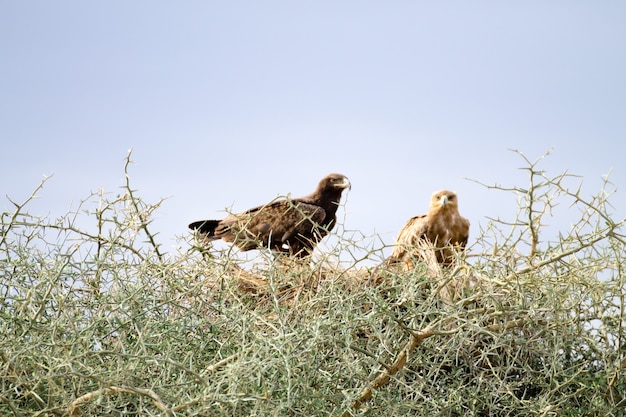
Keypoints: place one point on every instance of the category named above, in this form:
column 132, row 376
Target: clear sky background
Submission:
column 230, row 104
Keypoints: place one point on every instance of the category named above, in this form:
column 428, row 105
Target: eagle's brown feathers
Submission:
column 292, row 226
column 442, row 227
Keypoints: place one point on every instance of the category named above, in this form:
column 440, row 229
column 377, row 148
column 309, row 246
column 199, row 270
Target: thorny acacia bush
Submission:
column 99, row 321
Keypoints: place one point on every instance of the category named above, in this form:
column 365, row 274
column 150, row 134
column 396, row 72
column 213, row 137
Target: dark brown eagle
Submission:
column 443, row 229
column 291, row 226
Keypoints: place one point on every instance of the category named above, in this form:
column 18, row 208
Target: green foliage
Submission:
column 95, row 319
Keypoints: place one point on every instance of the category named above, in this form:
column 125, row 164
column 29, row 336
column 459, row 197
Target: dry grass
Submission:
column 97, row 320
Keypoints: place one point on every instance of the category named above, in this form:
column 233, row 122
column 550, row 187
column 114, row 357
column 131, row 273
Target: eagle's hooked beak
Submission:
column 345, row 184
column 444, row 201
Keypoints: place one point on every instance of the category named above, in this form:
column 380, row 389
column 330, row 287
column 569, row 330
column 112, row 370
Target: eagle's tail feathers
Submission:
column 206, row 227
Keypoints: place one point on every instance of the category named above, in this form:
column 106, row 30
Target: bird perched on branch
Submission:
column 291, row 226
column 442, row 229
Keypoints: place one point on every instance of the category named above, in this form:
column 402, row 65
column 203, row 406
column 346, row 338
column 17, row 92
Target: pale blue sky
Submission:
column 229, row 104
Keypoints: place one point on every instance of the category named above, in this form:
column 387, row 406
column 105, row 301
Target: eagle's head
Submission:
column 444, row 200
column 334, row 182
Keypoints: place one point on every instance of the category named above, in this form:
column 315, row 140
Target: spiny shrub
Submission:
column 96, row 319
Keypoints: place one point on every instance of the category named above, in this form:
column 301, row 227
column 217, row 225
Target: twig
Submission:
column 143, row 222
column 18, row 209
column 561, row 255
column 223, row 362
column 417, row 337
column 74, row 408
